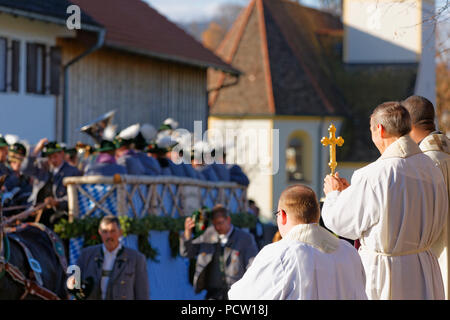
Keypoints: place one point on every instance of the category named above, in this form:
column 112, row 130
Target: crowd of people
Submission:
column 396, row 207
column 35, row 176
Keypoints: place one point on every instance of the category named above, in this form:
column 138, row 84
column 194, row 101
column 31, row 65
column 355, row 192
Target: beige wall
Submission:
column 259, row 173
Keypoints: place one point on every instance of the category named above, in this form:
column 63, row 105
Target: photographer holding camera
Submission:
column 223, row 251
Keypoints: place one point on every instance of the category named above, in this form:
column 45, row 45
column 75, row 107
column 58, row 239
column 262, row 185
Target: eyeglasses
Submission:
column 275, row 213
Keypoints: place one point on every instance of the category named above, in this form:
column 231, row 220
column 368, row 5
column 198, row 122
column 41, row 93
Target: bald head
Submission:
column 421, row 111
column 300, row 202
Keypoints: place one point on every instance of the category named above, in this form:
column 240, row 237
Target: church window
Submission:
column 294, row 160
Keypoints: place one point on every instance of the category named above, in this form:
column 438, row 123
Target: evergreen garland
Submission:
column 88, row 229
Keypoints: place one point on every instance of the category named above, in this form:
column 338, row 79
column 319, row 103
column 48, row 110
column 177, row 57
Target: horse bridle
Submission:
column 31, row 287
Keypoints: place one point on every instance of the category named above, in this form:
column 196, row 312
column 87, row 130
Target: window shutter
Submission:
column 3, row 64
column 15, row 74
column 31, row 68
column 55, row 69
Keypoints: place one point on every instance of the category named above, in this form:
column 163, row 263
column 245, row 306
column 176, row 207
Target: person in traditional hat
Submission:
column 71, row 156
column 200, row 156
column 168, row 125
column 228, row 171
column 11, row 181
column 105, row 164
column 159, row 149
column 125, row 155
column 183, row 137
column 219, row 166
column 48, row 172
column 146, row 133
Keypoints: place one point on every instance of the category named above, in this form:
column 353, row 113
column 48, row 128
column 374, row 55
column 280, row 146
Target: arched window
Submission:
column 294, row 160
column 298, row 152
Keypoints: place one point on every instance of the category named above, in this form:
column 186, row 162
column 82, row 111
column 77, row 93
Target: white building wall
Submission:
column 30, row 116
column 259, row 172
column 426, row 77
column 387, row 31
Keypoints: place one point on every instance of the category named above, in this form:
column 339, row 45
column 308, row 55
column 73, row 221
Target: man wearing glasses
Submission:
column 308, row 263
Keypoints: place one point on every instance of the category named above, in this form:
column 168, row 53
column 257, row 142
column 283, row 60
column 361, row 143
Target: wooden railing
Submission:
column 138, row 196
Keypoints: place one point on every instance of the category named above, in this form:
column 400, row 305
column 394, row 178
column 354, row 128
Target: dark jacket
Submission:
column 39, row 169
column 132, row 163
column 150, row 164
column 104, row 165
column 239, row 252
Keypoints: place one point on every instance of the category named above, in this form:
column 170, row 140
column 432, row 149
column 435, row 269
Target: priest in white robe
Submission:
column 397, row 207
column 307, row 263
column 435, row 145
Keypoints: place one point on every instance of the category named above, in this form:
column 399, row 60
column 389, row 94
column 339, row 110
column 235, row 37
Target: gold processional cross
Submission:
column 332, row 141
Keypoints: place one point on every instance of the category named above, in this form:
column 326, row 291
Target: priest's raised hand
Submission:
column 334, row 183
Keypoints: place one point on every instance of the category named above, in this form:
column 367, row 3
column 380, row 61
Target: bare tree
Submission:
column 220, row 25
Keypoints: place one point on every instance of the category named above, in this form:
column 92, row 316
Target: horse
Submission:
column 53, row 273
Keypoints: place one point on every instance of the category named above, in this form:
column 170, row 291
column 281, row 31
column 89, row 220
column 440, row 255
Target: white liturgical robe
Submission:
column 437, row 147
column 397, row 207
column 308, row 263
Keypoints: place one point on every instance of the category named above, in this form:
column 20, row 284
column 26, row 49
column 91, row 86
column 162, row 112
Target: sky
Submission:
column 195, row 10
column 198, row 10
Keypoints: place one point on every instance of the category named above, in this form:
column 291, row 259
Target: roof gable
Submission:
column 294, row 80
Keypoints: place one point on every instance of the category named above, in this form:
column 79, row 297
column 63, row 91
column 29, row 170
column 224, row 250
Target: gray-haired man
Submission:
column 110, row 271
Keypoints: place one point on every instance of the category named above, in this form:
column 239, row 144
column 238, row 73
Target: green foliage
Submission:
column 88, row 229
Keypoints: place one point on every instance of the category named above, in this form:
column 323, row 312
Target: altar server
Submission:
column 309, row 262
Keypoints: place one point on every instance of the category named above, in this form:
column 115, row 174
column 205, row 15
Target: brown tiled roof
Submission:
column 306, row 73
column 273, row 43
column 134, row 26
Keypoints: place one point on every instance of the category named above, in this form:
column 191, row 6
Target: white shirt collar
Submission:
column 56, row 170
column 112, row 253
column 223, row 238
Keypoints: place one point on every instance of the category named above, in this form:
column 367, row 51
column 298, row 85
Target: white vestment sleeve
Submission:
column 354, row 210
column 264, row 279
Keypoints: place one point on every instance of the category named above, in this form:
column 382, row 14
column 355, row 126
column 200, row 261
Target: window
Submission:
column 299, row 157
column 9, row 65
column 294, row 161
column 43, row 69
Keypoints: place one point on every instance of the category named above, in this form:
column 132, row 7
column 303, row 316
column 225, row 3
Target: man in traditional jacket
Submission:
column 16, row 154
column 223, row 251
column 397, row 207
column 146, row 134
column 110, row 271
column 125, row 155
column 308, row 263
column 437, row 146
column 11, row 180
